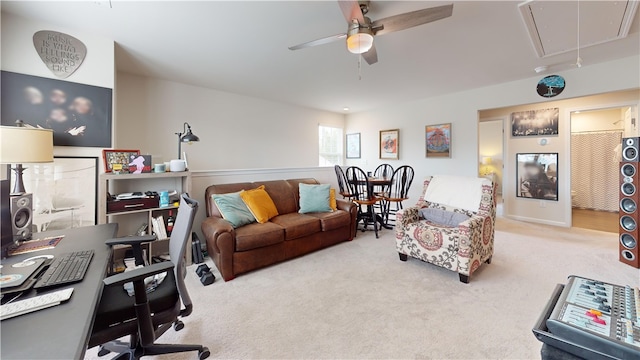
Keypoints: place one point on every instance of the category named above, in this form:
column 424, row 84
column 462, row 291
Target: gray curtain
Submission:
column 595, row 170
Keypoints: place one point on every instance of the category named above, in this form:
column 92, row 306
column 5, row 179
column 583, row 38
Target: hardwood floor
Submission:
column 595, row 220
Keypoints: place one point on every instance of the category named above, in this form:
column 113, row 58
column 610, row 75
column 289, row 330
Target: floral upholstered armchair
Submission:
column 451, row 226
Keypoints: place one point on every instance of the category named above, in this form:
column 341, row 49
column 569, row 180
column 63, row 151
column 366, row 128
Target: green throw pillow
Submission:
column 233, row 209
column 314, row 198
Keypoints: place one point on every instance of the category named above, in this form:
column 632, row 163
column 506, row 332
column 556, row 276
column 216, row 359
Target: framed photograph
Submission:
column 438, row 141
column 64, row 192
column 353, row 146
column 535, row 122
column 120, row 160
column 78, row 114
column 537, row 176
column 389, row 144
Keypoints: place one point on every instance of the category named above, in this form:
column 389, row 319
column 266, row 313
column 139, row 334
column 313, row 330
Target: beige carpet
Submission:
column 357, row 300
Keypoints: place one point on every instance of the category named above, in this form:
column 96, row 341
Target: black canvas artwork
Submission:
column 78, row 114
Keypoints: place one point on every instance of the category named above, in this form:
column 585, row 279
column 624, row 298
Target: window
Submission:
column 330, row 145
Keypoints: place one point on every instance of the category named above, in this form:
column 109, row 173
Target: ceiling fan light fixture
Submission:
column 359, row 40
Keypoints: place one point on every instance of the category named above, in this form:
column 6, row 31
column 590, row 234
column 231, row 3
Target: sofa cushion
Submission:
column 443, row 217
column 259, row 203
column 333, row 220
column 314, row 198
column 297, row 225
column 256, row 235
column 233, row 209
column 282, row 194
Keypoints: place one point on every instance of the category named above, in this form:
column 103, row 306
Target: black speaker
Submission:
column 21, row 216
column 630, row 149
column 629, row 214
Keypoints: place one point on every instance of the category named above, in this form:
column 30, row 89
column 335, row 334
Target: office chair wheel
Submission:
column 178, row 325
column 103, row 351
column 204, row 353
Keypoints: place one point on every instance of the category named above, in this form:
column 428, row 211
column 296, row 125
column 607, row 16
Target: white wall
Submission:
column 235, row 131
column 549, row 212
column 461, row 109
column 20, row 56
column 598, row 120
column 490, row 143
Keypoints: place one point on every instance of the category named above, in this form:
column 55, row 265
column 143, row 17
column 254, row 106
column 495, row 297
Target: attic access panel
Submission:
column 553, row 25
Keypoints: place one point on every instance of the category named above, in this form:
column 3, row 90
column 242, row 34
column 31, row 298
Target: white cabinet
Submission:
column 130, row 221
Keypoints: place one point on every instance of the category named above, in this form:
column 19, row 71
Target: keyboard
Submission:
column 65, row 269
column 21, row 307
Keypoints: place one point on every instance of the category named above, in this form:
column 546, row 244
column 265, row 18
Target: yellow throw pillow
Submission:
column 260, row 204
column 332, row 200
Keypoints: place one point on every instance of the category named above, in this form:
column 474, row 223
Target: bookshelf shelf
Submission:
column 129, row 221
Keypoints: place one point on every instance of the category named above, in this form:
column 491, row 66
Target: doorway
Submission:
column 596, row 138
column 491, row 154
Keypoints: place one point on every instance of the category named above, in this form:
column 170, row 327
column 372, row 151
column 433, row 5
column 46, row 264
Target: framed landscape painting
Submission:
column 438, row 141
column 353, row 146
column 389, row 144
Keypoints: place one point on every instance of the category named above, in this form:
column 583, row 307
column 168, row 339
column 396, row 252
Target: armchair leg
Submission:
column 464, row 278
column 403, row 257
column 489, row 260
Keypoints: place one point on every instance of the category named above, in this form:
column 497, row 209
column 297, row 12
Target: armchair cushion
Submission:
column 443, row 217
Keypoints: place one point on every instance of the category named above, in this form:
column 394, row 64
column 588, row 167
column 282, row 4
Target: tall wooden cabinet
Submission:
column 130, row 221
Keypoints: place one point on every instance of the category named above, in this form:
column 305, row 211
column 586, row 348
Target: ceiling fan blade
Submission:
column 351, row 10
column 411, row 19
column 371, row 56
column 317, row 42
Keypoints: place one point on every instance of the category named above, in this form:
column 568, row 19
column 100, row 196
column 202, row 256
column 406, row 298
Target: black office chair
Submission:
column 343, row 186
column 398, row 191
column 363, row 195
column 144, row 317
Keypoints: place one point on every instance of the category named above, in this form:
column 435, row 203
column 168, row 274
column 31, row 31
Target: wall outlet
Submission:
column 543, row 204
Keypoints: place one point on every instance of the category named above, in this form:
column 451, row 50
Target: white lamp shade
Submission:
column 359, row 43
column 19, row 145
column 486, row 160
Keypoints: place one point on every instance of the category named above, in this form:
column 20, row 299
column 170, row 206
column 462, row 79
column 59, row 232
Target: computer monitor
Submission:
column 6, row 230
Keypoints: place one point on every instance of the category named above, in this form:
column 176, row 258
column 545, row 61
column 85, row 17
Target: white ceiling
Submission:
column 242, row 47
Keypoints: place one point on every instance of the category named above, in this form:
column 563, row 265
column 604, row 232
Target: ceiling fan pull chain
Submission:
column 360, row 67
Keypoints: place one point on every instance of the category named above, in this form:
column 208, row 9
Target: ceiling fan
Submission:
column 361, row 30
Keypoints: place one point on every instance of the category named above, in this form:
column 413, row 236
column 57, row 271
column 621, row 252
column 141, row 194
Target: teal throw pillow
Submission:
column 314, row 198
column 233, row 209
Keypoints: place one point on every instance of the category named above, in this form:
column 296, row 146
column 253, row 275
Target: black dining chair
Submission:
column 363, row 195
column 398, row 190
column 383, row 171
column 343, row 186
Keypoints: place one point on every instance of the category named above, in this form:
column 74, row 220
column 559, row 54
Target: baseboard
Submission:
column 538, row 221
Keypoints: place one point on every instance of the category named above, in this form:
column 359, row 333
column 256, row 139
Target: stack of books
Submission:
column 159, row 228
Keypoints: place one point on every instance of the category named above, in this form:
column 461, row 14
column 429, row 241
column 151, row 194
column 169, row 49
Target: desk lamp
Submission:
column 20, row 144
column 188, row 137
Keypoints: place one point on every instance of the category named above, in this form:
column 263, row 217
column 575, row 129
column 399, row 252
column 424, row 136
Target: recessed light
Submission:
column 345, row 108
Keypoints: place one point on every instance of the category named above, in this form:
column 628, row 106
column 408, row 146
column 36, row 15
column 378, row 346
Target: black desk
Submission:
column 62, row 331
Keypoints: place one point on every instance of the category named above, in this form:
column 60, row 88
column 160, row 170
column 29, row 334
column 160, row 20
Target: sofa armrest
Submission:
column 344, row 205
column 220, row 238
column 352, row 209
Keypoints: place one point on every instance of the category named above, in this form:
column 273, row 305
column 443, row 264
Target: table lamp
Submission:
column 19, row 145
column 486, row 161
column 188, row 137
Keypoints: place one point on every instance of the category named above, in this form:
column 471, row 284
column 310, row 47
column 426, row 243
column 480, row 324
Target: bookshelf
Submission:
column 130, row 221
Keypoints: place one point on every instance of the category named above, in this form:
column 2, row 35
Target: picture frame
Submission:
column 65, row 192
column 389, row 144
column 437, row 140
column 537, row 176
column 542, row 122
column 118, row 160
column 79, row 114
column 353, row 146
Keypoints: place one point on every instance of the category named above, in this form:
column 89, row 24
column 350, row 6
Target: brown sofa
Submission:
column 288, row 235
